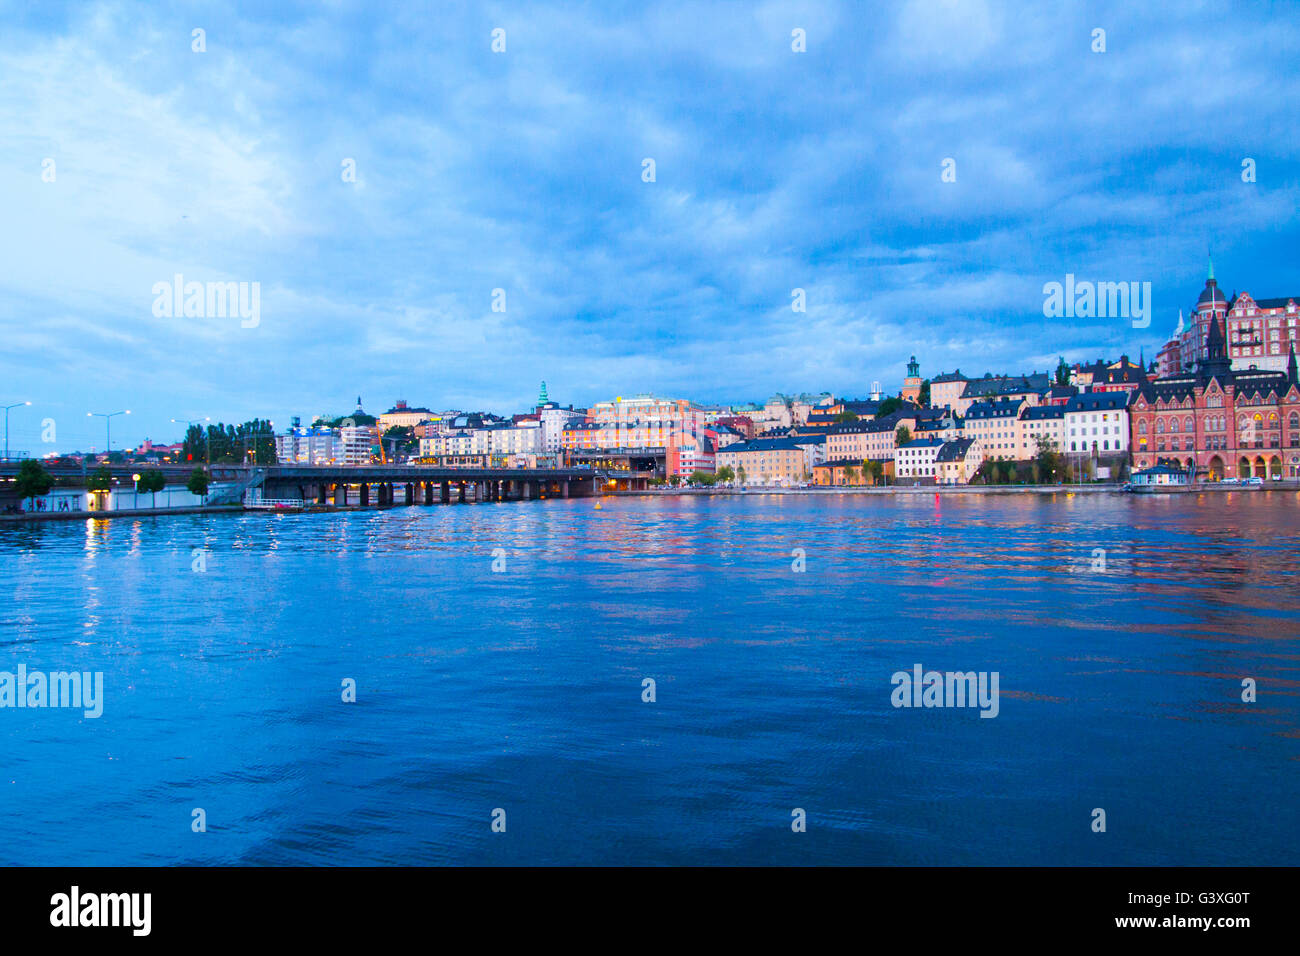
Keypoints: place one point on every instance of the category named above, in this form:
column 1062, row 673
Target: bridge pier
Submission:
column 365, row 494
column 564, row 488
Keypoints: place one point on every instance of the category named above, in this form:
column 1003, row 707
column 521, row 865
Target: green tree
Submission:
column 851, row 474
column 846, row 418
column 726, row 474
column 1048, row 461
column 902, row 435
column 1062, row 372
column 198, row 482
column 33, row 480
column 889, row 406
column 924, row 398
column 152, row 481
column 740, row 475
column 874, row 469
column 101, row 479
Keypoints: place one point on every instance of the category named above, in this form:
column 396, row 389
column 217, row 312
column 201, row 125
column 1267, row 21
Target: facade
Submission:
column 912, row 384
column 849, row 472
column 958, row 461
column 1221, row 422
column 1258, row 333
column 773, row 461
column 402, row 416
column 1159, row 475
column 996, row 426
column 1042, row 421
column 915, row 459
column 643, row 422
column 320, row 445
column 946, row 389
column 1026, row 388
column 1097, row 422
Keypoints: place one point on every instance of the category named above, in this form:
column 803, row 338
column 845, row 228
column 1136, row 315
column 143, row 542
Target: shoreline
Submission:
column 1210, row 487
column 913, row 490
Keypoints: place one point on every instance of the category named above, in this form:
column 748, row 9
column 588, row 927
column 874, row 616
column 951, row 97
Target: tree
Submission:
column 198, row 483
column 889, row 406
column 874, row 469
column 726, row 474
column 902, row 436
column 703, row 478
column 152, row 481
column 101, row 479
column 923, row 399
column 1048, row 460
column 846, row 418
column 33, row 480
column 851, row 474
column 1062, row 372
column 740, row 474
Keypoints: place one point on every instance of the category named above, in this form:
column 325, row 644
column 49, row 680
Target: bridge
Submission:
column 431, row 484
column 371, row 484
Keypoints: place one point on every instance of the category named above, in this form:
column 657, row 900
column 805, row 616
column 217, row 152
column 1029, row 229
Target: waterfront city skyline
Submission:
column 523, row 170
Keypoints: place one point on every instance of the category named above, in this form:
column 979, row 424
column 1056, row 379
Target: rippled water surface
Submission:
column 522, row 689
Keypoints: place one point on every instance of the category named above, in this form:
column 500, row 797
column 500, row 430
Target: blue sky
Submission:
column 522, row 170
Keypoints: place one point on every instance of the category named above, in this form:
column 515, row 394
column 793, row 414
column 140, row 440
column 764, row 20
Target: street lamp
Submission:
column 207, row 437
column 108, row 425
column 7, row 407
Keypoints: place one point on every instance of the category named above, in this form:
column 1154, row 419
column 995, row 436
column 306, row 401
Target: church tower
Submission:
column 912, row 384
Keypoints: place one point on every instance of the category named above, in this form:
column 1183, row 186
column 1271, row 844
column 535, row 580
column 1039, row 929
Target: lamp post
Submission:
column 7, row 407
column 207, row 437
column 108, row 426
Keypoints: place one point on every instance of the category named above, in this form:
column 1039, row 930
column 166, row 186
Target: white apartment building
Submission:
column 916, row 458
column 1097, row 421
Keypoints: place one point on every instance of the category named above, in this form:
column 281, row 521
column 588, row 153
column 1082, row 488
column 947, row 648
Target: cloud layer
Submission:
column 522, row 171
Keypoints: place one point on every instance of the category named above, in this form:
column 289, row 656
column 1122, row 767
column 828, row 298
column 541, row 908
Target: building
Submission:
column 1219, row 421
column 322, row 445
column 1041, row 421
column 1097, row 422
column 1159, row 475
column 996, row 426
column 912, row 384
column 915, row 459
column 946, row 389
column 848, row 471
column 1026, row 388
column 958, row 461
column 1258, row 333
column 402, row 416
column 773, row 461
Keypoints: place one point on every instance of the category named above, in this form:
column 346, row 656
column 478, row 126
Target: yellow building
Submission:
column 848, row 472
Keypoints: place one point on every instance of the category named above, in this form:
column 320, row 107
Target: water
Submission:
column 521, row 690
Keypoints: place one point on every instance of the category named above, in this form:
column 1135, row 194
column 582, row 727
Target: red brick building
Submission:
column 1225, row 423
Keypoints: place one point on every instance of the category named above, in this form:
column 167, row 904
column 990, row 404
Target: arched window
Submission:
column 1294, row 420
column 1173, row 425
column 1142, row 426
column 1189, row 424
column 1160, row 426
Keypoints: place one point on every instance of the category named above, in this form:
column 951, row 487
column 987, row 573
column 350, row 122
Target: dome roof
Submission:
column 1211, row 294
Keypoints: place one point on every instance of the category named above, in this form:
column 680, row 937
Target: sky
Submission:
column 920, row 170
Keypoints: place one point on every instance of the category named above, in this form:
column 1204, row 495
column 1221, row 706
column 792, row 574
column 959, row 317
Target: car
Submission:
column 1253, row 481
column 1277, row 477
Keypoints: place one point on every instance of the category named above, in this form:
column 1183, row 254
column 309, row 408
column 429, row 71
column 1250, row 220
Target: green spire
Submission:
column 1211, row 258
column 541, row 398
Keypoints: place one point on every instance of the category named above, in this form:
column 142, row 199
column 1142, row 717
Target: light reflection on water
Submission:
column 522, row 689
